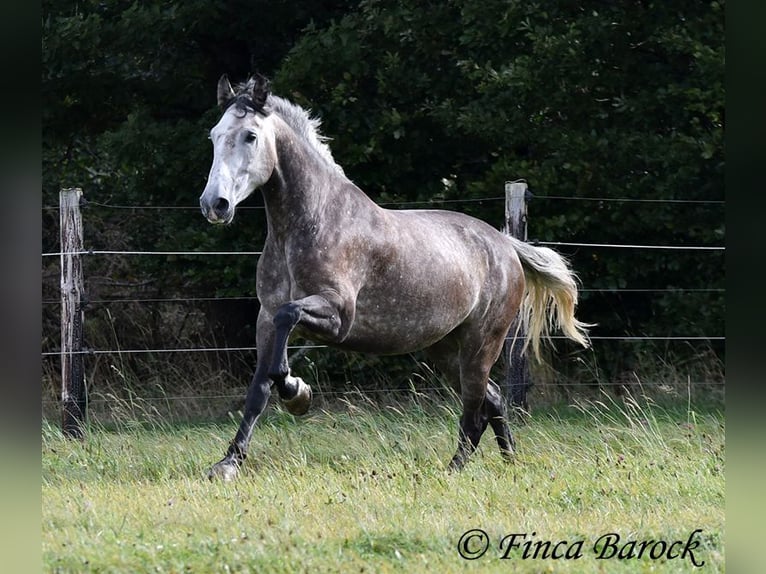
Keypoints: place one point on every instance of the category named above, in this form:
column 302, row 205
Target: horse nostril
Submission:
column 220, row 207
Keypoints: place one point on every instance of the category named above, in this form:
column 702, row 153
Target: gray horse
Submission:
column 339, row 269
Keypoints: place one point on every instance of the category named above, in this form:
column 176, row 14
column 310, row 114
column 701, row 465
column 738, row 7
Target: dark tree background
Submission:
column 425, row 101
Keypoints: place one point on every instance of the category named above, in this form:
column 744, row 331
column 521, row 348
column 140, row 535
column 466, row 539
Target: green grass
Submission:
column 365, row 490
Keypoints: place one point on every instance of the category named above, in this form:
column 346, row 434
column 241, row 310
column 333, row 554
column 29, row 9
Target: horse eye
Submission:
column 251, row 137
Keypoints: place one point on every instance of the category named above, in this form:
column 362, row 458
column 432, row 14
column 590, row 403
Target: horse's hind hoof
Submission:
column 456, row 464
column 300, row 403
column 225, row 470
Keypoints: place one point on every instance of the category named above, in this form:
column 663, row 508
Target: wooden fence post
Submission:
column 517, row 380
column 72, row 374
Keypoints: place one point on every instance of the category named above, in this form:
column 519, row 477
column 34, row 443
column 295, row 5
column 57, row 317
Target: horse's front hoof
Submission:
column 225, row 470
column 300, row 403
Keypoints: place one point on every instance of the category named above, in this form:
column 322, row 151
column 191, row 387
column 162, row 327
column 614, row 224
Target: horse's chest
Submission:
column 273, row 281
column 280, row 280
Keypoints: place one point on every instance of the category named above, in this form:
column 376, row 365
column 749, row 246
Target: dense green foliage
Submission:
column 435, row 102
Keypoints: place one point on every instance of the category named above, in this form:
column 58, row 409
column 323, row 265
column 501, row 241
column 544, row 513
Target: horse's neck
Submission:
column 302, row 186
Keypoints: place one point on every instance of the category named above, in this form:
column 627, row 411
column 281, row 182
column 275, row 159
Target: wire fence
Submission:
column 251, row 253
column 434, row 202
column 193, row 300
column 637, row 338
column 254, row 298
column 321, row 392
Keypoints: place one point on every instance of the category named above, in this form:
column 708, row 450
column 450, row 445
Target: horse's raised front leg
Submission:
column 324, row 315
column 257, row 399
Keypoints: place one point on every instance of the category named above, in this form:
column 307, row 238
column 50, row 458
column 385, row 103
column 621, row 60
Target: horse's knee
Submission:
column 287, row 316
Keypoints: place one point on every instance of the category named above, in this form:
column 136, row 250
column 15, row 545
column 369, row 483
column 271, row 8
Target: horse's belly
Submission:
column 396, row 322
column 368, row 337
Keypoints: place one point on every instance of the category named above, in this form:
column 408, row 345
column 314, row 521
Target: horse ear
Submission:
column 260, row 91
column 225, row 91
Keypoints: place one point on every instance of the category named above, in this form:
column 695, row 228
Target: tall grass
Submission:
column 362, row 488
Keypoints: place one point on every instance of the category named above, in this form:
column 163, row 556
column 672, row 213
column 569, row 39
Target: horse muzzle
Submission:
column 219, row 211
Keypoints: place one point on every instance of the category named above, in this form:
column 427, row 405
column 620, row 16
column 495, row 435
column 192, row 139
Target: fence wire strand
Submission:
column 627, row 338
column 352, row 392
column 532, row 196
column 636, row 338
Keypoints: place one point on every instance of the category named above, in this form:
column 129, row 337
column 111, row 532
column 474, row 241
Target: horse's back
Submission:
column 465, row 244
column 429, row 272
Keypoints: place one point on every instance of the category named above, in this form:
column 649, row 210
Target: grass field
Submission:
column 365, row 490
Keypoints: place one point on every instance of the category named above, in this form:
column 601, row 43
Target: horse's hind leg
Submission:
column 446, row 356
column 494, row 406
column 482, row 402
column 474, row 422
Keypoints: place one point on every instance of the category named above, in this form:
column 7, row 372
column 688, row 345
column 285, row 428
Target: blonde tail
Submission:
column 550, row 298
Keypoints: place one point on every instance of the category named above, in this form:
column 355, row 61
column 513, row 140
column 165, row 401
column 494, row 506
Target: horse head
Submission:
column 244, row 148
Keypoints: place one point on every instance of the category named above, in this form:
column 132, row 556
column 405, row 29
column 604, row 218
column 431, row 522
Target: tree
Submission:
column 450, row 99
column 424, row 102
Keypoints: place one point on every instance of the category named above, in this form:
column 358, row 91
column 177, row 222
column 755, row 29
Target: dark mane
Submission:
column 255, row 96
column 250, row 96
column 244, row 103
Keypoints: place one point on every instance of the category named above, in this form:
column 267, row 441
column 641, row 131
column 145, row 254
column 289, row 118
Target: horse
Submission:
column 340, row 270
